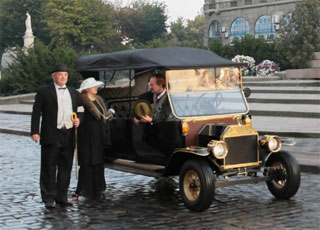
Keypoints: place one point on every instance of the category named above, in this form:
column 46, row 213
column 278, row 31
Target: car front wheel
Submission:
column 197, row 185
column 285, row 175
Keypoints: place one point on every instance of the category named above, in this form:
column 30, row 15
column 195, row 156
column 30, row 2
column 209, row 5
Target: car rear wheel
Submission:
column 197, row 185
column 285, row 174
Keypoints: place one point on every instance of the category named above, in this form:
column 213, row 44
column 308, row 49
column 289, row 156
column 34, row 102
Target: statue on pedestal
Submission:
column 28, row 38
column 28, row 23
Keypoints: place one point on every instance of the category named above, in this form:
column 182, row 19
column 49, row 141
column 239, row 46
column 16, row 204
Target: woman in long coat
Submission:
column 91, row 138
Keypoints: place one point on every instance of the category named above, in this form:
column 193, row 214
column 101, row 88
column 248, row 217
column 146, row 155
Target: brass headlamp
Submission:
column 271, row 143
column 218, row 148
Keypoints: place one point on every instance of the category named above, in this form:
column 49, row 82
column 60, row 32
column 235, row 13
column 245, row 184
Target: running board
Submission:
column 136, row 168
column 242, row 181
column 157, row 171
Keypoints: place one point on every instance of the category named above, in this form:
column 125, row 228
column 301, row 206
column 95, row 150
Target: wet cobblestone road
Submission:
column 138, row 202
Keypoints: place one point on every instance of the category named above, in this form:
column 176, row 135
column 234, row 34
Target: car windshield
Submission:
column 206, row 92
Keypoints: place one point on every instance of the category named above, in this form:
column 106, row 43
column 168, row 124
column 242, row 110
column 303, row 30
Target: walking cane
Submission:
column 74, row 116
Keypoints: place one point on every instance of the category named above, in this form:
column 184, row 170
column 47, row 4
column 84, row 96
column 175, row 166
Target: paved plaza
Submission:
column 305, row 150
column 139, row 202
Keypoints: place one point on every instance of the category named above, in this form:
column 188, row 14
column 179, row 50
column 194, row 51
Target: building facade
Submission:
column 233, row 19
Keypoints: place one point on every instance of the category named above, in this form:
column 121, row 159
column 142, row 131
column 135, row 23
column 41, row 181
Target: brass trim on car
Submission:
column 240, row 80
column 265, row 142
column 204, row 118
column 200, row 151
column 209, row 117
column 241, row 165
column 238, row 130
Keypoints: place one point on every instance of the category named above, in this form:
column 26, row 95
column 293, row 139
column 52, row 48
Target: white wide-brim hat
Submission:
column 89, row 83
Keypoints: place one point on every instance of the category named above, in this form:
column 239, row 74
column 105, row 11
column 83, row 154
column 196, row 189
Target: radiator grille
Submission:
column 242, row 150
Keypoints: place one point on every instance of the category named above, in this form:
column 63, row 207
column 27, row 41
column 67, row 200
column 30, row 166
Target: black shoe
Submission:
column 49, row 205
column 64, row 204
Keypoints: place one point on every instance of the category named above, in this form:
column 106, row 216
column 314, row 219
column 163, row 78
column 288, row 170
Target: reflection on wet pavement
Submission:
column 138, row 202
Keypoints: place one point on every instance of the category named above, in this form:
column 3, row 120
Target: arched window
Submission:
column 240, row 27
column 214, row 30
column 264, row 25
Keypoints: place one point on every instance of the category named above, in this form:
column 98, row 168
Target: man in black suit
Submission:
column 55, row 103
column 157, row 95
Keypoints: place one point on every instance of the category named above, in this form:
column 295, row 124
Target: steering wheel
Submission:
column 202, row 102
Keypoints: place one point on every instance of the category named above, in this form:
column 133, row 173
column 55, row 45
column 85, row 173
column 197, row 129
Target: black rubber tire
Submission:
column 291, row 181
column 206, row 186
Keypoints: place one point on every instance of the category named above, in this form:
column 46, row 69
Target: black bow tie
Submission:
column 62, row 88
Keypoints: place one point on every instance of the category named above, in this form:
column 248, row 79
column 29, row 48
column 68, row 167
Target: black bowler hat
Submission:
column 60, row 68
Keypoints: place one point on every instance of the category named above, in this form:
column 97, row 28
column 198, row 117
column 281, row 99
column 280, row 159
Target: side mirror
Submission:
column 247, row 92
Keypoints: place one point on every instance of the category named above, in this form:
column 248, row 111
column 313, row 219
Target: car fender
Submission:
column 180, row 156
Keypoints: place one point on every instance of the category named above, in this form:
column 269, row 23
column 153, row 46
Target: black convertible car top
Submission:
column 167, row 57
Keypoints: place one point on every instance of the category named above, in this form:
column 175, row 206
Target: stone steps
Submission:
column 306, row 73
column 276, row 79
column 25, row 109
column 16, row 99
column 315, row 64
column 287, row 96
column 279, row 90
column 284, row 107
column 289, row 108
column 312, row 72
column 257, row 78
column 28, row 102
column 284, row 114
column 283, row 101
column 283, row 83
column 287, row 126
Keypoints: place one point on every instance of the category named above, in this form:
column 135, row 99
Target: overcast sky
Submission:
column 188, row 9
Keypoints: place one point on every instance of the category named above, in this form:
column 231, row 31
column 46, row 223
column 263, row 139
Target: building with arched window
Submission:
column 233, row 19
column 239, row 28
column 214, row 30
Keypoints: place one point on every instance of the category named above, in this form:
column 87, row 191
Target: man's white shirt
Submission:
column 64, row 107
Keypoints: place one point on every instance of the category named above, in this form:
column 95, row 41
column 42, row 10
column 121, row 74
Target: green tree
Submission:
column 141, row 21
column 81, row 24
column 195, row 30
column 301, row 36
column 217, row 47
column 30, row 70
column 189, row 33
column 156, row 43
column 178, row 30
column 12, row 22
column 257, row 48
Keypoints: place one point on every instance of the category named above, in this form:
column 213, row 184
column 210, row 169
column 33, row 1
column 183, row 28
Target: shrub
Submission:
column 257, row 48
column 30, row 70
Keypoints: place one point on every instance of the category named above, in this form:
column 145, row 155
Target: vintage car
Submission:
column 209, row 144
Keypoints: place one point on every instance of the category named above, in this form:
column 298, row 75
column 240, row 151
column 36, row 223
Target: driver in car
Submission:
column 158, row 97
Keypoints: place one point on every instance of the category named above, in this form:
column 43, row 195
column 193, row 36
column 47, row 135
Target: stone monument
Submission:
column 28, row 38
column 10, row 53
